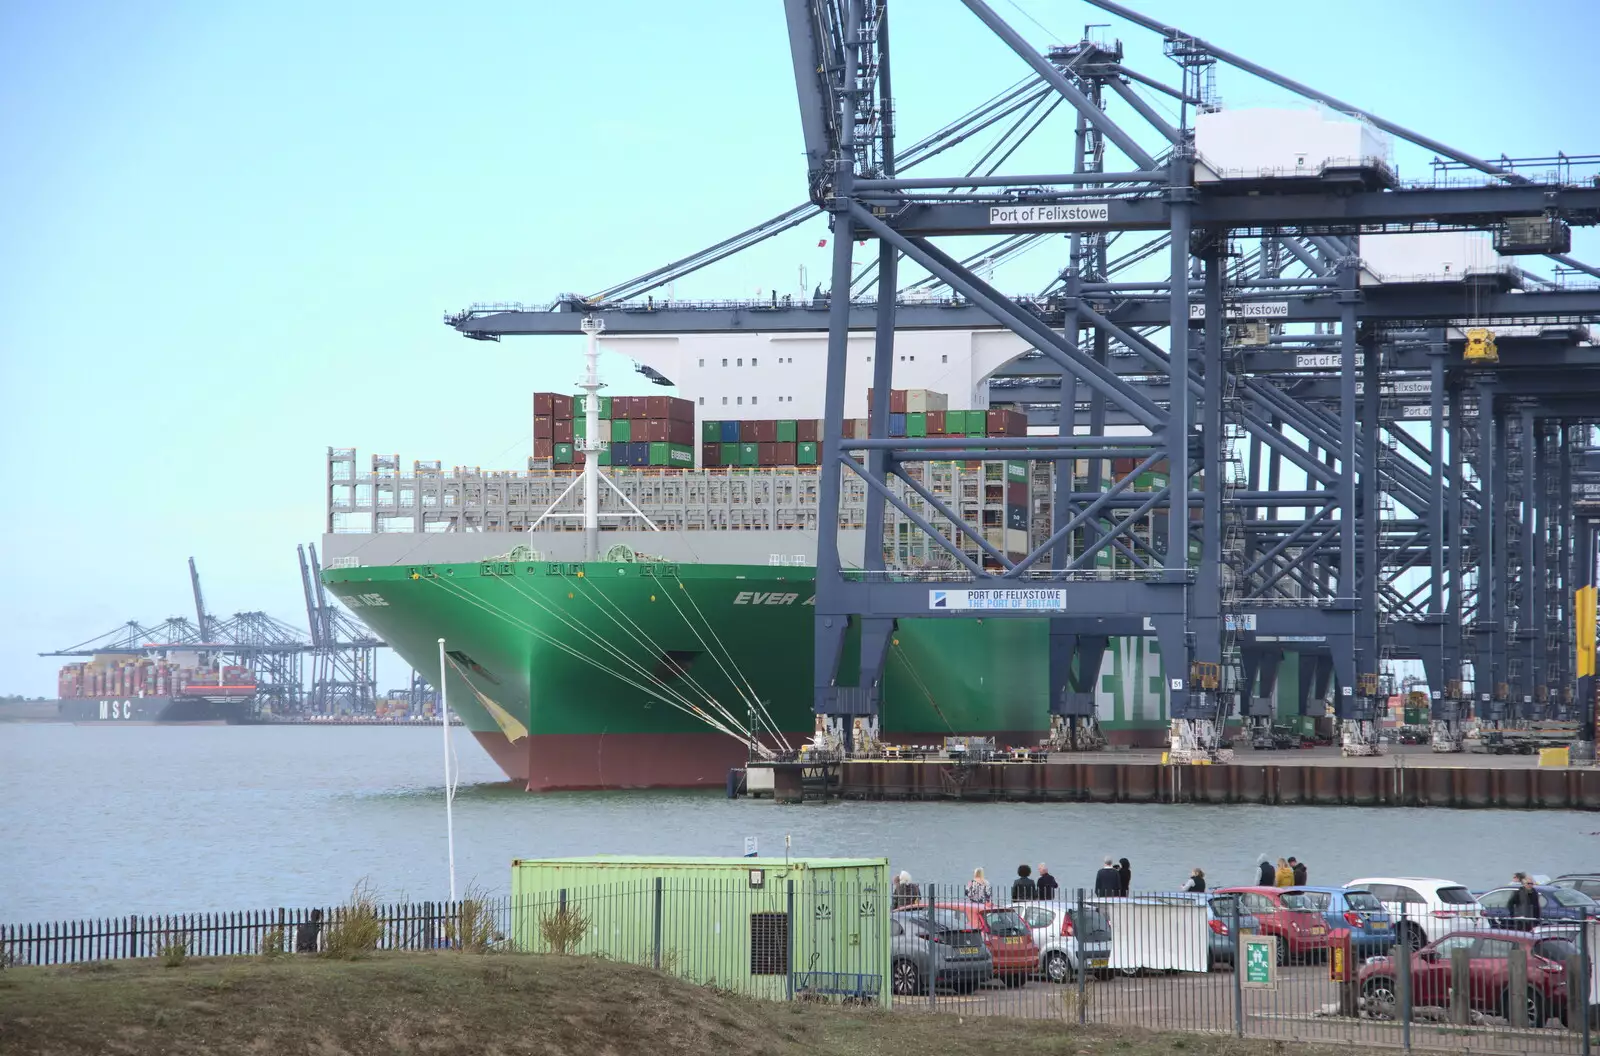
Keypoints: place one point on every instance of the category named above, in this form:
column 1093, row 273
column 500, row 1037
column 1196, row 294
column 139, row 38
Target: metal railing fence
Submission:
column 1297, row 965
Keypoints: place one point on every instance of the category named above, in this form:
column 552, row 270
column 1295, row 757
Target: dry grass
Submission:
column 452, row 1004
column 357, row 926
column 272, row 943
column 474, row 928
column 563, row 929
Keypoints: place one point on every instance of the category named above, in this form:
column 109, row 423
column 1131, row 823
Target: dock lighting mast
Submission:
column 591, row 447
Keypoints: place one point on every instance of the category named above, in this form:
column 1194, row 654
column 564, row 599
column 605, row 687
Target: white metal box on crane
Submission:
column 1428, row 256
column 1264, row 143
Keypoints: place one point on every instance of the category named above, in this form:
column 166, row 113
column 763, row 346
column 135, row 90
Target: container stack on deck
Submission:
column 116, row 675
column 641, row 431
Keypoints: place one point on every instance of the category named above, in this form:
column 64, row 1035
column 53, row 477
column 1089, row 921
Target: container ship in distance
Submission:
column 653, row 666
column 162, row 687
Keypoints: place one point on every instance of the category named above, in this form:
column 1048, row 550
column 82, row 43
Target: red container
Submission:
column 544, row 450
column 1122, row 467
column 847, row 429
column 766, row 431
column 711, row 455
column 563, row 430
column 747, row 431
column 786, row 453
column 670, row 407
column 897, row 401
column 666, row 431
column 544, row 404
column 560, row 405
column 1016, row 494
column 544, row 427
column 807, row 430
column 935, row 423
column 995, row 421
column 769, row 454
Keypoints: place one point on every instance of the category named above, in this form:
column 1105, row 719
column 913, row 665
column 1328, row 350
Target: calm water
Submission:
column 105, row 820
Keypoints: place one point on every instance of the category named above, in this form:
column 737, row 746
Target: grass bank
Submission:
column 446, row 1004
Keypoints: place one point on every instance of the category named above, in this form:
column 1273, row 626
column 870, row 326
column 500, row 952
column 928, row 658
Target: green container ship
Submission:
column 579, row 662
column 620, row 674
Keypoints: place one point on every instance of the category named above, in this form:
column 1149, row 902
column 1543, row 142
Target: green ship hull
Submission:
column 614, row 670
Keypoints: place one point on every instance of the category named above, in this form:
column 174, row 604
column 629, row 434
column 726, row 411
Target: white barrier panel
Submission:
column 1158, row 934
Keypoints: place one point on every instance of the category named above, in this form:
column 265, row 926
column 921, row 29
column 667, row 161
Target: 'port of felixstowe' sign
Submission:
column 996, row 600
column 1081, row 213
column 1244, row 310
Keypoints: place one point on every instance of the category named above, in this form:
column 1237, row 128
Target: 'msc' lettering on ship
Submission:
column 757, row 597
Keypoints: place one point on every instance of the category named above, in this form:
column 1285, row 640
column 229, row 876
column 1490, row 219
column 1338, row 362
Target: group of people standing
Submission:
column 1289, row 872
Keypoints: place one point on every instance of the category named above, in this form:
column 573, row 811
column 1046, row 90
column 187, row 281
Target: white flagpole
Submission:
column 449, row 787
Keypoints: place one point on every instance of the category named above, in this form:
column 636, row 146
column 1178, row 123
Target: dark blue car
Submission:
column 1556, row 904
column 1357, row 911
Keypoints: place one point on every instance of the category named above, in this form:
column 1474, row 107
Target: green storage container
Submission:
column 767, row 928
column 977, row 423
column 806, row 453
column 580, row 407
column 1017, row 472
column 677, row 456
column 786, row 433
column 605, row 457
column 710, row 432
column 563, row 454
column 580, row 427
column 749, row 454
column 621, row 431
column 917, row 423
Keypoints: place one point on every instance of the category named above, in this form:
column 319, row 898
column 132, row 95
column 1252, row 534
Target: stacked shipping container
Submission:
column 640, row 430
column 113, row 675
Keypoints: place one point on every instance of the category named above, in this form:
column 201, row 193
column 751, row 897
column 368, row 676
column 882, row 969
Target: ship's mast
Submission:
column 591, row 439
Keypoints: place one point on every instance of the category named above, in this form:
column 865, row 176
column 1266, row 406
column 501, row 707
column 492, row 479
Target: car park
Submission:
column 1423, row 909
column 1005, row 934
column 941, row 950
column 1588, row 883
column 1063, row 932
column 1354, row 910
column 1488, row 985
column 1223, row 914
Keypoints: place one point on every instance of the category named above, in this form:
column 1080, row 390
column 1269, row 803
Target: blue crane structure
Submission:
column 1444, row 487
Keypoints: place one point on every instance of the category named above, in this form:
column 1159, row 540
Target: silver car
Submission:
column 944, row 950
column 1063, row 933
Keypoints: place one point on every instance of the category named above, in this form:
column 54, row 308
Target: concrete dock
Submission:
column 1409, row 776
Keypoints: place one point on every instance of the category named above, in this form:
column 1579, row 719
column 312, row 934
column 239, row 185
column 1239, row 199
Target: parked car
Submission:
column 1290, row 918
column 1062, row 932
column 943, row 951
column 1588, row 883
column 1556, row 904
column 1223, row 912
column 1007, row 937
column 1423, row 909
column 1371, row 929
column 1487, row 989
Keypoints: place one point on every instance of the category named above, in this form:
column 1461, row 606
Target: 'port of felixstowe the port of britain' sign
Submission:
column 1037, row 599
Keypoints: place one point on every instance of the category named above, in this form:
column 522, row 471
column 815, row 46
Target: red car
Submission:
column 1005, row 934
column 1488, row 973
column 1291, row 918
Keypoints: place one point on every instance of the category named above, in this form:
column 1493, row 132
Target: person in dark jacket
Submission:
column 1046, row 883
column 1108, row 881
column 1524, row 906
column 1124, row 877
column 1196, row 881
column 1266, row 873
column 1023, row 889
column 305, row 936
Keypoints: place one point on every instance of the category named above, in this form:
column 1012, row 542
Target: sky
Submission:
column 229, row 232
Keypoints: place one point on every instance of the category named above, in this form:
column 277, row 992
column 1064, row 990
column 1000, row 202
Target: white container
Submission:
column 1267, row 143
column 924, row 400
column 1428, row 256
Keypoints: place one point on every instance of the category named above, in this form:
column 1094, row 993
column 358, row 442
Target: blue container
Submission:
column 639, row 453
column 897, row 424
column 730, row 432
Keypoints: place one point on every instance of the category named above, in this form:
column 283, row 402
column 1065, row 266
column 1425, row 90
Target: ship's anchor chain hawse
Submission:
column 707, row 708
